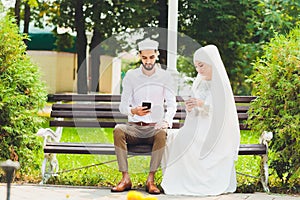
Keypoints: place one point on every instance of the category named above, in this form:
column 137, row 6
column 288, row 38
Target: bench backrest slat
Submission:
column 114, row 107
column 117, row 98
column 114, row 115
column 82, row 110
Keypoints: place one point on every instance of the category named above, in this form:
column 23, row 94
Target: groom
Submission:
column 146, row 125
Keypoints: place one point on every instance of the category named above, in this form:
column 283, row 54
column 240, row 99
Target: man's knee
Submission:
column 161, row 135
column 118, row 134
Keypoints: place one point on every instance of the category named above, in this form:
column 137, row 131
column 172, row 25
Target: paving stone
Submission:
column 45, row 192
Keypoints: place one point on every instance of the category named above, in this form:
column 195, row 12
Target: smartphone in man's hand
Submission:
column 146, row 104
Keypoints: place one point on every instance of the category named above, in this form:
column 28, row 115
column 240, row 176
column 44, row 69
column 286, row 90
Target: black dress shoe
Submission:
column 122, row 186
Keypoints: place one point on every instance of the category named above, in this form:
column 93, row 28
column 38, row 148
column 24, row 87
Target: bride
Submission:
column 200, row 158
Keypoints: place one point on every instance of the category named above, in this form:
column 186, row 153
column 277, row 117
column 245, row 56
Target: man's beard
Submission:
column 148, row 67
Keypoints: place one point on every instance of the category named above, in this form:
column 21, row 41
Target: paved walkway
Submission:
column 45, row 192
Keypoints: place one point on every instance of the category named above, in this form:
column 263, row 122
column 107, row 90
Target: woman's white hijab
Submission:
column 224, row 116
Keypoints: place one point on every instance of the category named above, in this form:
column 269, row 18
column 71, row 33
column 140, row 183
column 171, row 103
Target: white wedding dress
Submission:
column 199, row 158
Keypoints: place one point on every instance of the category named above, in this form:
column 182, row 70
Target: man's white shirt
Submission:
column 157, row 89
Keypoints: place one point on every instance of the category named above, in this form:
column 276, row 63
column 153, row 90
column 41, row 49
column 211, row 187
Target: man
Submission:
column 148, row 83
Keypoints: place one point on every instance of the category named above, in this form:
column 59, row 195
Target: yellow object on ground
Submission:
column 134, row 195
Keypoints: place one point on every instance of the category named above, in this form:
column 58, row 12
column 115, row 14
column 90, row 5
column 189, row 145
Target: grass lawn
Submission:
column 108, row 174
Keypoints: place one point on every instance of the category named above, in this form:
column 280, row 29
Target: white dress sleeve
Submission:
column 202, row 92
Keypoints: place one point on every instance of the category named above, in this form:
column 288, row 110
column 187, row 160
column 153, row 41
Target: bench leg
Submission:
column 264, row 172
column 53, row 167
column 49, row 136
column 265, row 138
column 43, row 168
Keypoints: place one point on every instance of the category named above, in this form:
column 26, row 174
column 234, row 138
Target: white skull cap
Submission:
column 148, row 44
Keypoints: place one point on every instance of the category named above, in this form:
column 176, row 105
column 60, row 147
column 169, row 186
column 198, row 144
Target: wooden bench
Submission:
column 103, row 111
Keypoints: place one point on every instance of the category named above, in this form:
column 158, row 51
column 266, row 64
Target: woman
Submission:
column 200, row 159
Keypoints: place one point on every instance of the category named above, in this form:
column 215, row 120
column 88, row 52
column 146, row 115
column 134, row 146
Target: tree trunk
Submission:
column 95, row 60
column 95, row 50
column 163, row 36
column 81, row 42
column 17, row 12
column 26, row 21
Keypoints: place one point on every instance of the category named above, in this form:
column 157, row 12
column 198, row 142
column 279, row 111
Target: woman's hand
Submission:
column 192, row 103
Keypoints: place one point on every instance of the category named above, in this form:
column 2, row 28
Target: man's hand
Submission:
column 161, row 125
column 140, row 111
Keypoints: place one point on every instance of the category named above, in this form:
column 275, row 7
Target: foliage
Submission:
column 221, row 23
column 270, row 17
column 239, row 28
column 63, row 41
column 265, row 19
column 22, row 95
column 129, row 64
column 276, row 82
column 185, row 65
column 102, row 19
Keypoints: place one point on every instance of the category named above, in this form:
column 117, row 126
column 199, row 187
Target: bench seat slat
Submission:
column 252, row 149
column 93, row 148
column 78, row 150
column 74, row 144
column 108, row 149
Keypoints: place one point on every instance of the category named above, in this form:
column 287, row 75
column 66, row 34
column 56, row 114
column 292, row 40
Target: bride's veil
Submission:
column 224, row 121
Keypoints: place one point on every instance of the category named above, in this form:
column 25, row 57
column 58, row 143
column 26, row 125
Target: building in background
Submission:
column 59, row 68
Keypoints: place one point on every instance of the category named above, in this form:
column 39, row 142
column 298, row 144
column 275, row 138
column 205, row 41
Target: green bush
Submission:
column 276, row 82
column 22, row 96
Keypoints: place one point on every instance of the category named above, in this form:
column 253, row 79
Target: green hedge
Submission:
column 276, row 82
column 22, row 96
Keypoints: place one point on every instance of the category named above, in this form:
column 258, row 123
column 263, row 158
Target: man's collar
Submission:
column 142, row 73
